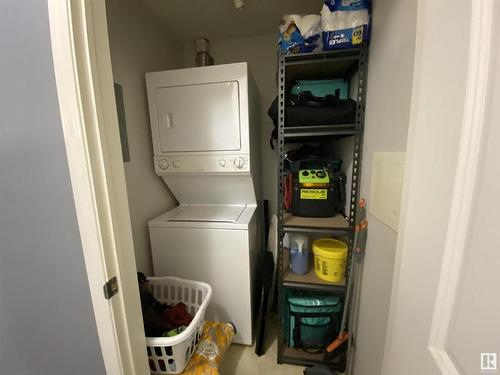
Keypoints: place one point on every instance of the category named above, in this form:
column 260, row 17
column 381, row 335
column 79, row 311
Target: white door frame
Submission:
column 469, row 153
column 84, row 81
column 474, row 119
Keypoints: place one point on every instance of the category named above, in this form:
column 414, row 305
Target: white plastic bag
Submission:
column 344, row 26
column 300, row 34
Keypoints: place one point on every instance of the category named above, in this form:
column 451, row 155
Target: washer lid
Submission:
column 206, row 212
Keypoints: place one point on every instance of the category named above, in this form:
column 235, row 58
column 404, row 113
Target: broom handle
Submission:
column 360, row 220
column 361, row 224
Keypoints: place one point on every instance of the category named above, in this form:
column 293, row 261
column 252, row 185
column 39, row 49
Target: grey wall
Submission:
column 47, row 324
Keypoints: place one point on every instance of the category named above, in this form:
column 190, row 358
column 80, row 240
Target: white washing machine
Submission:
column 206, row 150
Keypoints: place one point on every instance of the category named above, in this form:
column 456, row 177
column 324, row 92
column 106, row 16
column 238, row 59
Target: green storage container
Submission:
column 311, row 321
column 322, row 87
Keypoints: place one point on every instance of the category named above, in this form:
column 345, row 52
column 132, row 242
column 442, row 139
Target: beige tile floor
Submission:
column 242, row 360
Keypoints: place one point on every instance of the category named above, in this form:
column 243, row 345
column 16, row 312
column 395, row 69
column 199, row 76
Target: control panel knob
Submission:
column 239, row 162
column 163, row 164
column 176, row 163
column 222, row 162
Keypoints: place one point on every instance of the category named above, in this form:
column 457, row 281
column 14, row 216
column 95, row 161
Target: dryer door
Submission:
column 201, row 117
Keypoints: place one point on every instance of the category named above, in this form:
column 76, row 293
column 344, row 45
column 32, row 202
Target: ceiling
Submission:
column 217, row 19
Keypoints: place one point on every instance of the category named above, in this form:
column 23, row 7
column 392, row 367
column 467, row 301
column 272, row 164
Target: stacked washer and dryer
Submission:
column 205, row 142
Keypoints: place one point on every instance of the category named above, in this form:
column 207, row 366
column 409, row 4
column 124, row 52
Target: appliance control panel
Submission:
column 202, row 164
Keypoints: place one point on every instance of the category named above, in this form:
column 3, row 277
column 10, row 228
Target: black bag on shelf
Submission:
column 336, row 112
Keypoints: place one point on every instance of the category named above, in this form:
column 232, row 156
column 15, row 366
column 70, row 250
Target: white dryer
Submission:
column 206, row 151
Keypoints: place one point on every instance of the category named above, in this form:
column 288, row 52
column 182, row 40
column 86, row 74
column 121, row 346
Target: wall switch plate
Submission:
column 387, row 186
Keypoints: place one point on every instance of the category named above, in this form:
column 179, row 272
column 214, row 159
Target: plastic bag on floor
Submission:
column 215, row 339
column 345, row 23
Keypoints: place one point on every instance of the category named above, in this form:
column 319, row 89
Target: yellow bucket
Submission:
column 329, row 259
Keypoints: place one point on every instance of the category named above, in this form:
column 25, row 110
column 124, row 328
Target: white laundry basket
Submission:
column 170, row 355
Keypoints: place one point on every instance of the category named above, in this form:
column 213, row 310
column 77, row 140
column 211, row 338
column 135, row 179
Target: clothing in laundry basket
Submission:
column 159, row 318
column 177, row 316
column 215, row 339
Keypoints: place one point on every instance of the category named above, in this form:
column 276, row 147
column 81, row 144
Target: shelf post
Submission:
column 281, row 161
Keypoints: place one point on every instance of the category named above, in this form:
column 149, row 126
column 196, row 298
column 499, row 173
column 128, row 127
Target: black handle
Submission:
column 341, row 193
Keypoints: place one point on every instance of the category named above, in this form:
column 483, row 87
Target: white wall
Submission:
column 140, row 44
column 390, row 73
column 260, row 53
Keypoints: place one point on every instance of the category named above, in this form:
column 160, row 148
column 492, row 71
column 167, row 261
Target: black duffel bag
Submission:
column 326, row 112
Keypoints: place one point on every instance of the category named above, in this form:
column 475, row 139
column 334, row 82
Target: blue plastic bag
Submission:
column 299, row 34
column 335, row 5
